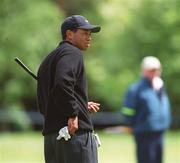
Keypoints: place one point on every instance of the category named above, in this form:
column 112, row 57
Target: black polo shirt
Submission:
column 62, row 89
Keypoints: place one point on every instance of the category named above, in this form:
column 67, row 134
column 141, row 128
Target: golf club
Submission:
column 25, row 68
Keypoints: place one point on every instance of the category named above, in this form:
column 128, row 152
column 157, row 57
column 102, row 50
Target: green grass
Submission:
column 116, row 148
column 121, row 148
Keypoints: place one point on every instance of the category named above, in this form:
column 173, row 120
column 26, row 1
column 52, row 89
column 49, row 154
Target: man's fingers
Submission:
column 94, row 108
column 72, row 129
column 93, row 103
column 72, row 125
column 96, row 103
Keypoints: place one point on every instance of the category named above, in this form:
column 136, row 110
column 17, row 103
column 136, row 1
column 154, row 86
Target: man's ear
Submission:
column 69, row 34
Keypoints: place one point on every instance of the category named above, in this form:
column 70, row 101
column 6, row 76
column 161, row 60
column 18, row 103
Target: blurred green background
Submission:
column 131, row 30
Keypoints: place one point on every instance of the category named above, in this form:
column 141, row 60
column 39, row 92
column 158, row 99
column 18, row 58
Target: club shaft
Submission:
column 25, row 68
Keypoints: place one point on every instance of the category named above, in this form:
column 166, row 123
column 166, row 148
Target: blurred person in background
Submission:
column 146, row 111
column 62, row 97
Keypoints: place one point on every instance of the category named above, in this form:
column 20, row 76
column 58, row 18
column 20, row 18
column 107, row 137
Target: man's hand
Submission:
column 72, row 125
column 93, row 107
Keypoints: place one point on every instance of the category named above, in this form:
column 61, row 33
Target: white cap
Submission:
column 150, row 62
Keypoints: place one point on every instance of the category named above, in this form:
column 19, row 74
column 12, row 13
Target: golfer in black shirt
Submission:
column 62, row 96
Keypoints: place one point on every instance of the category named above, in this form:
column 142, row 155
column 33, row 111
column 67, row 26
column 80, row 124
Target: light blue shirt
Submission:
column 145, row 109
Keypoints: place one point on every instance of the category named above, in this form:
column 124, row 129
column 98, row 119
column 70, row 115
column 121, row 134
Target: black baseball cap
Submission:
column 78, row 22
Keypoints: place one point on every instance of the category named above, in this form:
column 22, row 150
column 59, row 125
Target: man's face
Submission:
column 150, row 74
column 81, row 38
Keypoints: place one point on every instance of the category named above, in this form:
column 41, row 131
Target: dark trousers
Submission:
column 149, row 147
column 81, row 148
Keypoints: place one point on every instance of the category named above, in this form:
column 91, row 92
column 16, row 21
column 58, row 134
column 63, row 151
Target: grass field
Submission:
column 116, row 148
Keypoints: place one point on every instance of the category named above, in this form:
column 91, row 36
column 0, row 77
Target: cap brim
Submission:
column 93, row 28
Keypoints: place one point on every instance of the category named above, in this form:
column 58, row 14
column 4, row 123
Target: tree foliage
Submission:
column 76, row 7
column 131, row 29
column 29, row 29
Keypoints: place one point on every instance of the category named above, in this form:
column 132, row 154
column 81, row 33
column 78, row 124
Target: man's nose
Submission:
column 89, row 38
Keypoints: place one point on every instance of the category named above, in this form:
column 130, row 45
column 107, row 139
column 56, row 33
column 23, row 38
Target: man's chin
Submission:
column 85, row 47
